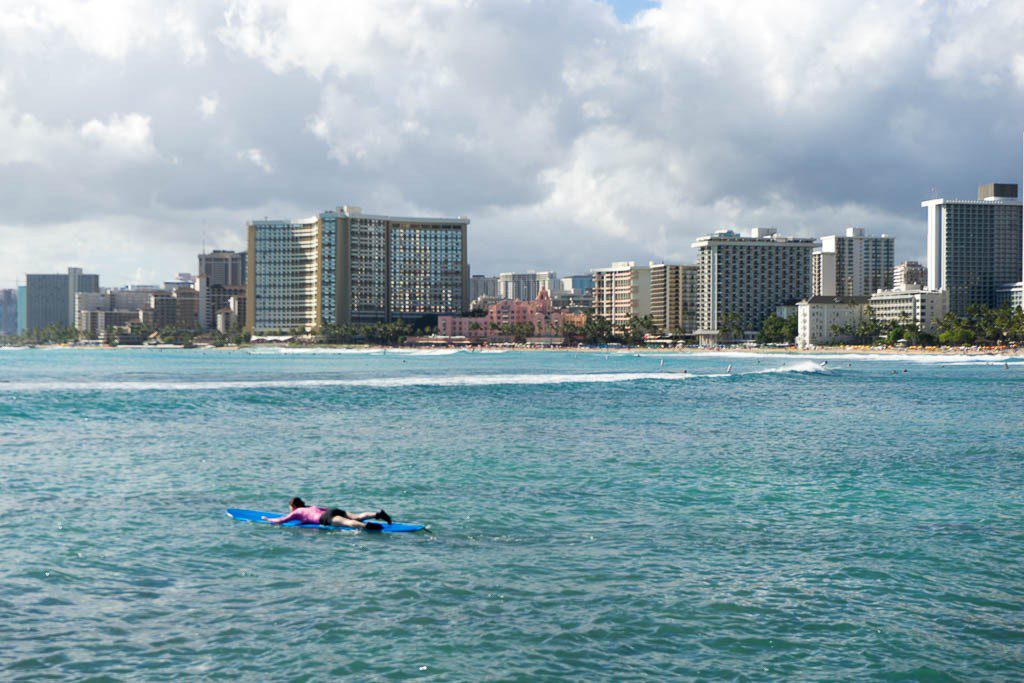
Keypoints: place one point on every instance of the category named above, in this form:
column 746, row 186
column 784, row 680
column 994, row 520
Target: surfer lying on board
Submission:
column 311, row 514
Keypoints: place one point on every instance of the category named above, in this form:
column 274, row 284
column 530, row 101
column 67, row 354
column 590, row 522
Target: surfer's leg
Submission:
column 380, row 514
column 345, row 521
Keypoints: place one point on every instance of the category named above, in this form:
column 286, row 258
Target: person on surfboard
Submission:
column 311, row 514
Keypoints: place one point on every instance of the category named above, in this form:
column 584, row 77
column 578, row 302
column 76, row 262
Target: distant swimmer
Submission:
column 311, row 514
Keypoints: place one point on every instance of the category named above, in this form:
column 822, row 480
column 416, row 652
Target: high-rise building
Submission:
column 853, row 264
column 578, row 284
column 621, row 291
column 909, row 275
column 8, row 311
column 674, row 298
column 526, row 286
column 343, row 266
column 50, row 299
column 974, row 246
column 221, row 276
column 483, row 285
column 96, row 311
column 741, row 279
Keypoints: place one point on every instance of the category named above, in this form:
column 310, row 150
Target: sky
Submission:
column 573, row 133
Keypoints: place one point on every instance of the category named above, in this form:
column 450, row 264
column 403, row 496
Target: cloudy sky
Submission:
column 572, row 132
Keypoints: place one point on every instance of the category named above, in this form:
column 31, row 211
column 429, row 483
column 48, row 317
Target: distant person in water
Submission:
column 311, row 514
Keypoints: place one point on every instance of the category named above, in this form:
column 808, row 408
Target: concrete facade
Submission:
column 923, row 307
column 343, row 266
column 909, row 275
column 222, row 274
column 819, row 316
column 853, row 264
column 674, row 298
column 483, row 285
column 974, row 246
column 50, row 299
column 8, row 312
column 747, row 277
column 526, row 286
column 621, row 291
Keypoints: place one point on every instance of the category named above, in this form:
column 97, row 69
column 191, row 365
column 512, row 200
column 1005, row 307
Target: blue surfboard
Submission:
column 257, row 517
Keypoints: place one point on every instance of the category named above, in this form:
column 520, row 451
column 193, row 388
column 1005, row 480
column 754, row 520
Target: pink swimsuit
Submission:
column 306, row 515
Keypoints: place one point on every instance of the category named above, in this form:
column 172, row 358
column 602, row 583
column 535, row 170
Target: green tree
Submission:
column 730, row 327
column 776, row 330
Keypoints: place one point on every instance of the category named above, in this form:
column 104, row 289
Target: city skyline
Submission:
column 172, row 125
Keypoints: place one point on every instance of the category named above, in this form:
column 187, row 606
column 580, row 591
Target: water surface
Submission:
column 594, row 516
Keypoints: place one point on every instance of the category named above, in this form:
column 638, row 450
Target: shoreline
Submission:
column 724, row 351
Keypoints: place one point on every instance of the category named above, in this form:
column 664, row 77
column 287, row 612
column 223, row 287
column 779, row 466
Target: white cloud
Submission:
column 128, row 135
column 256, row 157
column 569, row 138
column 208, row 105
column 109, row 28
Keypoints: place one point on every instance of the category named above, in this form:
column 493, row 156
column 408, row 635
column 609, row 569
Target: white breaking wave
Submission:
column 807, row 366
column 840, row 357
column 383, row 382
column 351, row 352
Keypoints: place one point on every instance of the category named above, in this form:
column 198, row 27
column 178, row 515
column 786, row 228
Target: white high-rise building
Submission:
column 974, row 246
column 742, row 279
column 853, row 264
column 526, row 286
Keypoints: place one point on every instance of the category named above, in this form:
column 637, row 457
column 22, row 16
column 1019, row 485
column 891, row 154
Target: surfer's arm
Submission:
column 281, row 520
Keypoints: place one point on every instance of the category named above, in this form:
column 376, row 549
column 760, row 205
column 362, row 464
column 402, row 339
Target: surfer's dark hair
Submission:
column 297, row 502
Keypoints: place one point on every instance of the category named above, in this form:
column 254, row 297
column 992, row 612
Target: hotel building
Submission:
column 622, row 291
column 909, row 275
column 974, row 246
column 222, row 275
column 674, row 298
column 526, row 286
column 8, row 311
column 483, row 285
column 747, row 277
column 344, row 266
column 818, row 318
column 921, row 306
column 853, row 264
column 50, row 299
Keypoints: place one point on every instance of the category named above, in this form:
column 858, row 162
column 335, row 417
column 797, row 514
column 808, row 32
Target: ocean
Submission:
column 592, row 516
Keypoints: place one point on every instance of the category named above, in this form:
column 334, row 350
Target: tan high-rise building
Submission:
column 622, row 291
column 674, row 298
column 344, row 266
column 909, row 275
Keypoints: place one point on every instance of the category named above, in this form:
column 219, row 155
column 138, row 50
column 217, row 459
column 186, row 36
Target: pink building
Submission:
column 545, row 318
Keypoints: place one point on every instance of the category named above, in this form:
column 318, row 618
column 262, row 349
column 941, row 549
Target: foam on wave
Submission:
column 352, row 351
column 382, row 382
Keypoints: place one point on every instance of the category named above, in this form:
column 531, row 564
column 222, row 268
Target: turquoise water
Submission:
column 594, row 516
